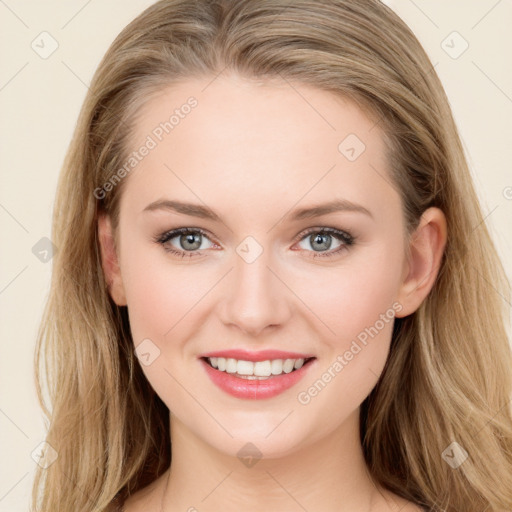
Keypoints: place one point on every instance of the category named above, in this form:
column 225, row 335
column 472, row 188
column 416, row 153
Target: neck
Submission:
column 329, row 475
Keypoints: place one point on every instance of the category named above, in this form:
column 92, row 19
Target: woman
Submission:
column 285, row 372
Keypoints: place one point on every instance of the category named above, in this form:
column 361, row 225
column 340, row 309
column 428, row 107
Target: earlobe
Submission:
column 109, row 260
column 425, row 256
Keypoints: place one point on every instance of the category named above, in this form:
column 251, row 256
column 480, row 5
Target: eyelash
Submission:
column 342, row 236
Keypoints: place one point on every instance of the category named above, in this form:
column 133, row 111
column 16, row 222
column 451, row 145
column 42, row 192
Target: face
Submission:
column 260, row 273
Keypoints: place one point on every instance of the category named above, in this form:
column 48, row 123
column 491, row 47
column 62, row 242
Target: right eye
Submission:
column 189, row 241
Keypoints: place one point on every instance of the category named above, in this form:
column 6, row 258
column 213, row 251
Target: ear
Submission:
column 110, row 261
column 424, row 258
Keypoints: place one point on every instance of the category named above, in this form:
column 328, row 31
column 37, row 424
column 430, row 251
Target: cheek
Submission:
column 355, row 304
column 158, row 294
column 350, row 297
column 359, row 305
column 162, row 301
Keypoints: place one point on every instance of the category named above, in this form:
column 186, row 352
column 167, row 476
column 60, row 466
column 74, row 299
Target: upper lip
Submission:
column 262, row 355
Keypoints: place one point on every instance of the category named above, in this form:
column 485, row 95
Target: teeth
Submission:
column 251, row 370
column 277, row 366
column 288, row 365
column 231, row 365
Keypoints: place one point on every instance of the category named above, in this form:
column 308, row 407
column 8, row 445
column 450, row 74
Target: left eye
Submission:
column 321, row 240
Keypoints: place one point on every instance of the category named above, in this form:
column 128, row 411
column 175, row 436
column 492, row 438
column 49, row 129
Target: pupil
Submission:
column 318, row 237
column 192, row 239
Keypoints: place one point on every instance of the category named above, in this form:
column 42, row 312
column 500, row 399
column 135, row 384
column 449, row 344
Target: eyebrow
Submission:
column 203, row 212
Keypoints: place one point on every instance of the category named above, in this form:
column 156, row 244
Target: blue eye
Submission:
column 321, row 238
column 189, row 238
column 190, row 241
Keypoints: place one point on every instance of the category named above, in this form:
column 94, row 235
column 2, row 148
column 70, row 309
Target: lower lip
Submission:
column 255, row 389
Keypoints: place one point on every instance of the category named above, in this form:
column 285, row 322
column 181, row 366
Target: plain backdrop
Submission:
column 469, row 42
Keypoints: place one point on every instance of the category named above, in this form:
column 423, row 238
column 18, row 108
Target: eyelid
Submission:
column 326, row 229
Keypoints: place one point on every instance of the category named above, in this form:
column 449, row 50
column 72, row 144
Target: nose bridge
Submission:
column 255, row 298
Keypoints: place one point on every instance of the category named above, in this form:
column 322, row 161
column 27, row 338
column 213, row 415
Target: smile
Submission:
column 255, row 370
column 255, row 379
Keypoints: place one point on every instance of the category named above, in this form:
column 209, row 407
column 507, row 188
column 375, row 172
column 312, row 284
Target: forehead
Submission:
column 225, row 104
column 230, row 135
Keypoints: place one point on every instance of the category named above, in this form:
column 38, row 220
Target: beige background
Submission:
column 40, row 99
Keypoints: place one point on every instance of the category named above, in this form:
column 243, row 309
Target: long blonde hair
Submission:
column 448, row 377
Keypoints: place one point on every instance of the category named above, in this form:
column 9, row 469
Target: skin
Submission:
column 253, row 153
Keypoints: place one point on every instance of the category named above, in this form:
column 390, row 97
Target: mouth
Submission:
column 256, row 370
column 256, row 379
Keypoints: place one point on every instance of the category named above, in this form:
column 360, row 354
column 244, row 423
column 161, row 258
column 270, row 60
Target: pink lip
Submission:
column 255, row 389
column 262, row 355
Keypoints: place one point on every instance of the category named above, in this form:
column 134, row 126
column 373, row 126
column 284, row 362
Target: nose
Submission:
column 255, row 297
